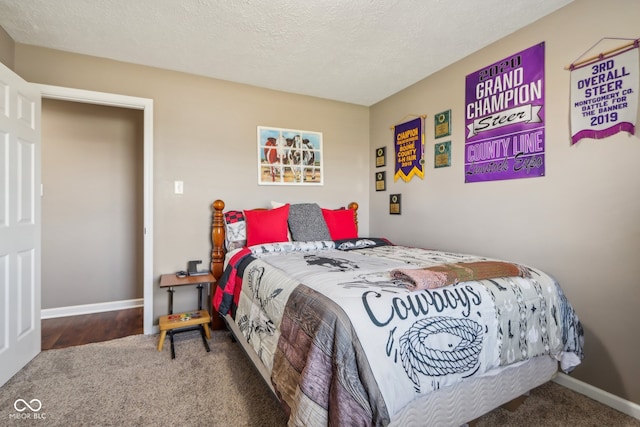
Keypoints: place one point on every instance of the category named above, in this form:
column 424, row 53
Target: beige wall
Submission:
column 581, row 222
column 92, row 223
column 205, row 135
column 7, row 48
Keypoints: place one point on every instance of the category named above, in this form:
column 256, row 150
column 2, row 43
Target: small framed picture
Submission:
column 381, row 156
column 442, row 124
column 381, row 181
column 395, row 207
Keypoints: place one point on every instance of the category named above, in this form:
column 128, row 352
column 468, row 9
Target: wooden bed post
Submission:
column 217, row 239
column 354, row 206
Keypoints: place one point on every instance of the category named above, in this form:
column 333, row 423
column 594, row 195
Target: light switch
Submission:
column 178, row 187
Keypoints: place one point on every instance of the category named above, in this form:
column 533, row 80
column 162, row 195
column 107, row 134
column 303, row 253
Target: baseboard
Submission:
column 76, row 310
column 604, row 397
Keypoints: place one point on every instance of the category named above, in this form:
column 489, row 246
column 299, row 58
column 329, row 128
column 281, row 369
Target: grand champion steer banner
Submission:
column 504, row 118
column 604, row 97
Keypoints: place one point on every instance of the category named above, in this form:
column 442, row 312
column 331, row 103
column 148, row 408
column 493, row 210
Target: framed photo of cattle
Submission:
column 289, row 157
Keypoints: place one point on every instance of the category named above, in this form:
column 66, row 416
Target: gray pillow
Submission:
column 307, row 224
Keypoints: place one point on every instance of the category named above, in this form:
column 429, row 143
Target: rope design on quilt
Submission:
column 418, row 358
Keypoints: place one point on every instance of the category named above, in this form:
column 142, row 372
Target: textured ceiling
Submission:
column 356, row 51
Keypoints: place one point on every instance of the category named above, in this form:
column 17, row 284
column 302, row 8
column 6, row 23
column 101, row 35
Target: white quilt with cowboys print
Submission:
column 414, row 341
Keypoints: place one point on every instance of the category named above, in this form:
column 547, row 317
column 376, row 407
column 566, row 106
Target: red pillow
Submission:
column 267, row 226
column 341, row 223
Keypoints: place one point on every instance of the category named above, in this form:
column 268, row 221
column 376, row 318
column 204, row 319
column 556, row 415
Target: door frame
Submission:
column 145, row 104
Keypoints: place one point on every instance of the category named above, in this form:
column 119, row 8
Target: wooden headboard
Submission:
column 217, row 235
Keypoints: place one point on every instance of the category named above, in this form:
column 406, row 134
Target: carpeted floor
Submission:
column 127, row 382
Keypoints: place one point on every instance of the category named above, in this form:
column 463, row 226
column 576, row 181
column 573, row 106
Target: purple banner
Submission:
column 408, row 141
column 504, row 118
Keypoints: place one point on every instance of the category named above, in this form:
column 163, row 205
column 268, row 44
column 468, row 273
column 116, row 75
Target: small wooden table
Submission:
column 187, row 321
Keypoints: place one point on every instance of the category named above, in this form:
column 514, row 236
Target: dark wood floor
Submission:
column 69, row 331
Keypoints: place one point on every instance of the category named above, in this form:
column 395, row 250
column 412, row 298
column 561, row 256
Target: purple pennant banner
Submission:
column 504, row 119
column 409, row 142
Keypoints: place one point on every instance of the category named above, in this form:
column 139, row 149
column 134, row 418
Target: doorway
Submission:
column 92, row 223
column 146, row 105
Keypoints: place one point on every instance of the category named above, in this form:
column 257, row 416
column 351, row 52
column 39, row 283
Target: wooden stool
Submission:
column 183, row 322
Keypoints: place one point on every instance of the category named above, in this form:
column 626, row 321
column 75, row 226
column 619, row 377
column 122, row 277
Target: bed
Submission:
column 348, row 330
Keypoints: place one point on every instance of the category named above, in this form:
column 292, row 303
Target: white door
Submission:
column 19, row 223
